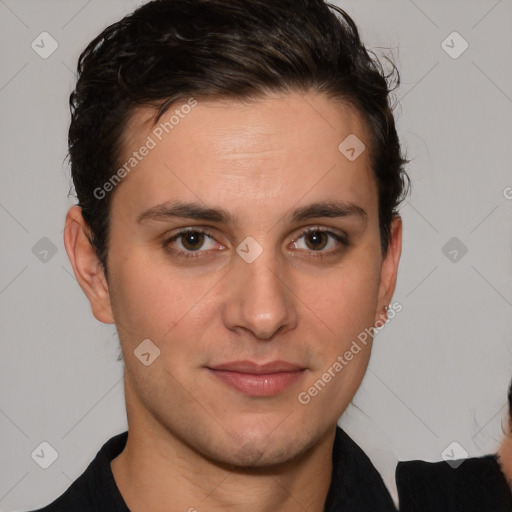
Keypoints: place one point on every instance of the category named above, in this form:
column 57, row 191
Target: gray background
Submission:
column 440, row 369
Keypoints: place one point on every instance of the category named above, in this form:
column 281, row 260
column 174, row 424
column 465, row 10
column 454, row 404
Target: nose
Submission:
column 259, row 299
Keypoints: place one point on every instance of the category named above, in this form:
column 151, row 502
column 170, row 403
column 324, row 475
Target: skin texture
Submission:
column 195, row 442
column 505, row 458
column 505, row 450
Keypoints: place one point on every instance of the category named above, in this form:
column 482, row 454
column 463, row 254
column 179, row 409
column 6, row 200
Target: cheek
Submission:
column 346, row 298
column 149, row 300
column 345, row 303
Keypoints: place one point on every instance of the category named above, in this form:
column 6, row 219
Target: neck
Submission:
column 156, row 472
column 505, row 458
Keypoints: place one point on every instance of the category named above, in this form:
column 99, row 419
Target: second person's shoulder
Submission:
column 469, row 485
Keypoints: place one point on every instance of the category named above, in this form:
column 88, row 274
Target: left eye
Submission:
column 318, row 239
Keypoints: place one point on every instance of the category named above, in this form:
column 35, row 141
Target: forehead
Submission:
column 275, row 148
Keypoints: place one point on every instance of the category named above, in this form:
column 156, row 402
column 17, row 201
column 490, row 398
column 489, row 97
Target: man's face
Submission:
column 214, row 301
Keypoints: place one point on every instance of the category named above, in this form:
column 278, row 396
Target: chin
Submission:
column 259, row 452
column 250, row 458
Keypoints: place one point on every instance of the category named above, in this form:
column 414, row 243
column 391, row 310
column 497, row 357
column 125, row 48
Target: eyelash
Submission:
column 315, row 254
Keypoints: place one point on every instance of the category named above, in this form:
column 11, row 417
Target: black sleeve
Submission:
column 477, row 485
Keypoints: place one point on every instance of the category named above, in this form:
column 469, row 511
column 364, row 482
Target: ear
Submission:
column 86, row 265
column 389, row 269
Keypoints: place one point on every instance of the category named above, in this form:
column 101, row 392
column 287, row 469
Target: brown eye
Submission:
column 321, row 243
column 192, row 240
column 191, row 243
column 316, row 239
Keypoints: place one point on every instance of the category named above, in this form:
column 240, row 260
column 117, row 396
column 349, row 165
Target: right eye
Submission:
column 190, row 240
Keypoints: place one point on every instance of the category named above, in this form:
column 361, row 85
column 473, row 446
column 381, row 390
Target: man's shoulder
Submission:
column 95, row 489
column 356, row 484
column 472, row 484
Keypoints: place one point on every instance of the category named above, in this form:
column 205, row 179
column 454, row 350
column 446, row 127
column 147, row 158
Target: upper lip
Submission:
column 257, row 369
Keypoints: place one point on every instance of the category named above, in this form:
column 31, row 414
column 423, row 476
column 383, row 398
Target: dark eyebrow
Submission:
column 196, row 211
column 330, row 210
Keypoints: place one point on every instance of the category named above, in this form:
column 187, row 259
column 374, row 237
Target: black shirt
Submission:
column 356, row 486
column 477, row 485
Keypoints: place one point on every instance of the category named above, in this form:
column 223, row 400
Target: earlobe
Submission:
column 389, row 269
column 86, row 265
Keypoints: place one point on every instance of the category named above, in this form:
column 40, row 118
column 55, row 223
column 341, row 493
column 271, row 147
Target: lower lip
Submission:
column 258, row 385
